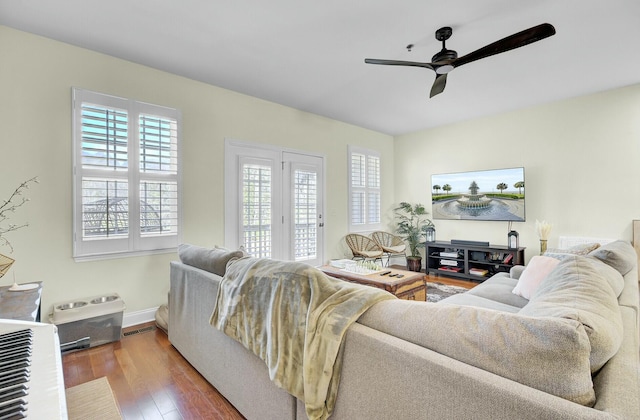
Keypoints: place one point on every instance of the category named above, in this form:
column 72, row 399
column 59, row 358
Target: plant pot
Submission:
column 414, row 264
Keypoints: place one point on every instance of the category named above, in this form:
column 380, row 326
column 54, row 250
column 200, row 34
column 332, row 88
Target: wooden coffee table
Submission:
column 411, row 286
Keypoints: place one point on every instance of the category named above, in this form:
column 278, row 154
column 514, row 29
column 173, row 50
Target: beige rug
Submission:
column 92, row 400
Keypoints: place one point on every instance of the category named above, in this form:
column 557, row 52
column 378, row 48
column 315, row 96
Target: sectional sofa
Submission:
column 568, row 350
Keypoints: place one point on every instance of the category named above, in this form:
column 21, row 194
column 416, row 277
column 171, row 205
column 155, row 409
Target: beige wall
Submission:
column 36, row 76
column 581, row 159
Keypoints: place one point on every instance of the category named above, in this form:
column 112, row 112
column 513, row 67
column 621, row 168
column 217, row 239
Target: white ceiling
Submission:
column 310, row 54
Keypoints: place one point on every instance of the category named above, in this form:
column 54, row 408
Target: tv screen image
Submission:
column 496, row 194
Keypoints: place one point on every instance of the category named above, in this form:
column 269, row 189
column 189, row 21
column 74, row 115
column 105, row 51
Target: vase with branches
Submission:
column 412, row 224
column 8, row 208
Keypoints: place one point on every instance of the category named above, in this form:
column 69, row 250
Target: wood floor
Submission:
column 452, row 282
column 149, row 378
column 467, row 284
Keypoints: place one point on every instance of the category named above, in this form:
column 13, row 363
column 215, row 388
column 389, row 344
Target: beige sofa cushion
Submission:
column 493, row 293
column 212, row 260
column 549, row 354
column 579, row 289
column 618, row 254
column 562, row 253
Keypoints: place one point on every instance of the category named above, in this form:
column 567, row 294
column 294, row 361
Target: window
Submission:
column 305, row 213
column 126, row 176
column 364, row 189
column 256, row 207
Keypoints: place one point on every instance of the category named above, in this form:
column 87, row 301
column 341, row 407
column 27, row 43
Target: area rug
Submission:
column 92, row 400
column 438, row 291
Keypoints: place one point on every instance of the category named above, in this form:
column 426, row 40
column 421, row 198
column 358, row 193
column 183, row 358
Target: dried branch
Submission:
column 15, row 201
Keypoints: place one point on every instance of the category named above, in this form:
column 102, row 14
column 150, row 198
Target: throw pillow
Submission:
column 537, row 270
column 242, row 249
column 562, row 253
column 212, row 260
column 617, row 254
column 578, row 289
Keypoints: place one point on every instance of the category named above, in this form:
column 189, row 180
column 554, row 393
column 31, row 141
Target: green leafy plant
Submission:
column 412, row 224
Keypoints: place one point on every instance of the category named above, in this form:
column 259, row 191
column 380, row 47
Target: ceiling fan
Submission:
column 446, row 60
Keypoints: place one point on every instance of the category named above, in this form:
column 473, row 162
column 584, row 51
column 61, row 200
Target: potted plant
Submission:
column 412, row 225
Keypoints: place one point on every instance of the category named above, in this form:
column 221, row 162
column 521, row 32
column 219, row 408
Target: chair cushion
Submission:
column 370, row 254
column 398, row 249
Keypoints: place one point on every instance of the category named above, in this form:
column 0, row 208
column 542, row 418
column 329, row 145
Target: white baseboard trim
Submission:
column 139, row 317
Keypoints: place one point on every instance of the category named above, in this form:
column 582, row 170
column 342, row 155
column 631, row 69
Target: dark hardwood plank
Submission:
column 149, row 378
column 451, row 281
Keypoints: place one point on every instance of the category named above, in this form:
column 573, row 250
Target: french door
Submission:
column 274, row 202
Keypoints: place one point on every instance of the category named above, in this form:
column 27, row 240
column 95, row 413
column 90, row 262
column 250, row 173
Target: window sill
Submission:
column 118, row 255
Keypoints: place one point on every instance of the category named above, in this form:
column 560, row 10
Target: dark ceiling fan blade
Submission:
column 512, row 42
column 438, row 85
column 398, row 63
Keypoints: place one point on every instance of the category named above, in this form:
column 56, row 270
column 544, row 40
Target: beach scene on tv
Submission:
column 496, row 194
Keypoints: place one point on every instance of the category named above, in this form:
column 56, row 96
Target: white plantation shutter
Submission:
column 158, row 208
column 358, row 191
column 104, row 137
column 158, row 175
column 158, row 144
column 373, row 207
column 364, row 189
column 373, row 189
column 256, row 207
column 105, row 208
column 126, row 176
column 305, row 214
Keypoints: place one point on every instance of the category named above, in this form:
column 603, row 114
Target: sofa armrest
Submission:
column 516, row 271
column 240, row 376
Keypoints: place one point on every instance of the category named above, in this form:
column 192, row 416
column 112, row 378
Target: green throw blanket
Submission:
column 293, row 317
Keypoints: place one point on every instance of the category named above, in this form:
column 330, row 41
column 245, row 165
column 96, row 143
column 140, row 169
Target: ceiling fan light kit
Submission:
column 446, row 60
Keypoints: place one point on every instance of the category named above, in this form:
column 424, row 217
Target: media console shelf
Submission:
column 474, row 262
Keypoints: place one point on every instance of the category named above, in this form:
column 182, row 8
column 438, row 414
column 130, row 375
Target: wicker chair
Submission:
column 390, row 244
column 363, row 248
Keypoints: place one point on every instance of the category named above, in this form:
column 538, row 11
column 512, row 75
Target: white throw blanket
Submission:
column 293, row 317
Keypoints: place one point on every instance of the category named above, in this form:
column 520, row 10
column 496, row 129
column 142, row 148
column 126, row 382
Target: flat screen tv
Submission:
column 496, row 194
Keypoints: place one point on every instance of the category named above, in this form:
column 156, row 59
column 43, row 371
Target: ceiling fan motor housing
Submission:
column 444, row 55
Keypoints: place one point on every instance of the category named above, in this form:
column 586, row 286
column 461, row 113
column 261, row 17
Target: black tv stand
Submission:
column 469, row 261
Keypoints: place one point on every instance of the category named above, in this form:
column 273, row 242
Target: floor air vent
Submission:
column 138, row 331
